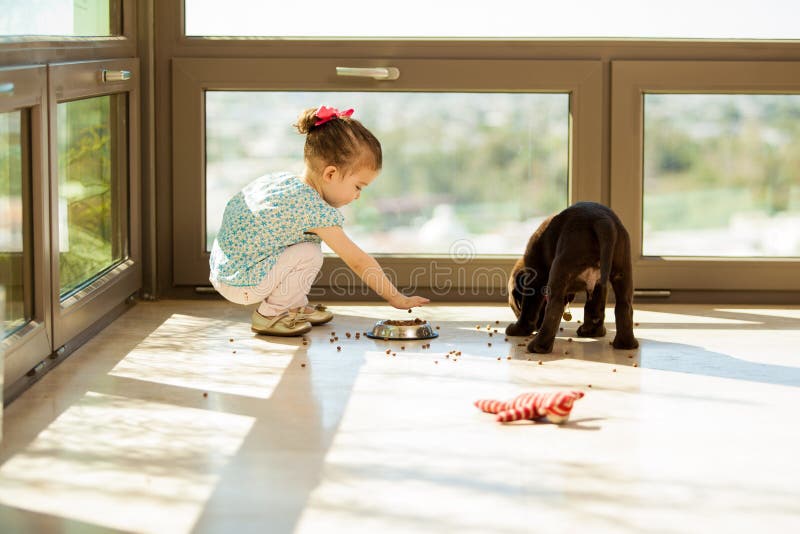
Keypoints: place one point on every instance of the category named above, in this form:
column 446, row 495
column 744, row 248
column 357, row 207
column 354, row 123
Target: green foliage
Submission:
column 707, row 156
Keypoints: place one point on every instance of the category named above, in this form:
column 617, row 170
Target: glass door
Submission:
column 95, row 191
column 706, row 172
column 24, row 250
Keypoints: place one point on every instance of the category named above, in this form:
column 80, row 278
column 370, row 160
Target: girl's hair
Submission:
column 342, row 141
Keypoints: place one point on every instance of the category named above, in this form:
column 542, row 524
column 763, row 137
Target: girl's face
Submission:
column 340, row 189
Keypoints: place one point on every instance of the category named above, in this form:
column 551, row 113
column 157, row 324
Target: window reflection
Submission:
column 89, row 215
column 14, row 227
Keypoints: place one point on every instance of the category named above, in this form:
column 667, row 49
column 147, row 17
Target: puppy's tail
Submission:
column 606, row 234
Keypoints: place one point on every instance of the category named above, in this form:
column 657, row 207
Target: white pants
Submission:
column 286, row 285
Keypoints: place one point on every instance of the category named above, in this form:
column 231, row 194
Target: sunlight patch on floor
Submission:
column 209, row 355
column 124, row 463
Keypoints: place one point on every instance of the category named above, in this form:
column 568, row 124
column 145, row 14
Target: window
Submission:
column 89, row 210
column 467, row 173
column 721, row 175
column 704, row 159
column 94, row 193
column 450, row 161
column 59, row 17
column 739, row 19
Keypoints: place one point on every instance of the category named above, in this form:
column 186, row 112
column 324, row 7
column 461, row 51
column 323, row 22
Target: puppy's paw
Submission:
column 515, row 329
column 540, row 346
column 591, row 330
column 625, row 342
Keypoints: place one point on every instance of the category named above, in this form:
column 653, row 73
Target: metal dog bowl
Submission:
column 393, row 329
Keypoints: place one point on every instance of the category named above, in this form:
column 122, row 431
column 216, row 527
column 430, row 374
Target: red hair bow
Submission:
column 325, row 114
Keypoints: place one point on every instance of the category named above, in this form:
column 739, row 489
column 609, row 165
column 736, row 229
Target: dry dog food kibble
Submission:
column 410, row 322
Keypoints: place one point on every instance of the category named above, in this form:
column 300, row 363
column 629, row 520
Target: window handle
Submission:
column 116, row 75
column 376, row 73
column 7, row 88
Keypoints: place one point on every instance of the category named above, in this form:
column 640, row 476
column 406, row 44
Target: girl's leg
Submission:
column 237, row 294
column 288, row 283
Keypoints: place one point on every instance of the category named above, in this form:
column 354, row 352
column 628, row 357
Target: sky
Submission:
column 762, row 19
column 712, row 19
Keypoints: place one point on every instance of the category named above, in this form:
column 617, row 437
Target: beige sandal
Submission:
column 285, row 324
column 319, row 315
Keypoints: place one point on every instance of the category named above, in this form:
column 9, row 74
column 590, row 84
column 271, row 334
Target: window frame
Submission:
column 631, row 81
column 42, row 49
column 24, row 348
column 191, row 77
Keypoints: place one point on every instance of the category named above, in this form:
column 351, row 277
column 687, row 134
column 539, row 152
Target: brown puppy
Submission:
column 581, row 249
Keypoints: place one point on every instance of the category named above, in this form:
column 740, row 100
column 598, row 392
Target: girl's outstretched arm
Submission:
column 366, row 267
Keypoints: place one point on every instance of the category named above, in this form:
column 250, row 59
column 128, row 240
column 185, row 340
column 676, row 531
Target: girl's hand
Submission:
column 404, row 303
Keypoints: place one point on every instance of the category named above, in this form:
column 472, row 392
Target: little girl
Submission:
column 268, row 247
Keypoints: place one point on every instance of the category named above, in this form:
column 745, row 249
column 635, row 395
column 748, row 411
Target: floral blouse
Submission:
column 268, row 215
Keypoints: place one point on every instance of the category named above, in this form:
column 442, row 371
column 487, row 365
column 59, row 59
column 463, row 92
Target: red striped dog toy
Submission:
column 554, row 407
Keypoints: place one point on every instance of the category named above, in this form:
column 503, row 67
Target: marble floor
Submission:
column 177, row 419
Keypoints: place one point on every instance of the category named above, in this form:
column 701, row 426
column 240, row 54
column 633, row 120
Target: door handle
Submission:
column 376, row 73
column 115, row 75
